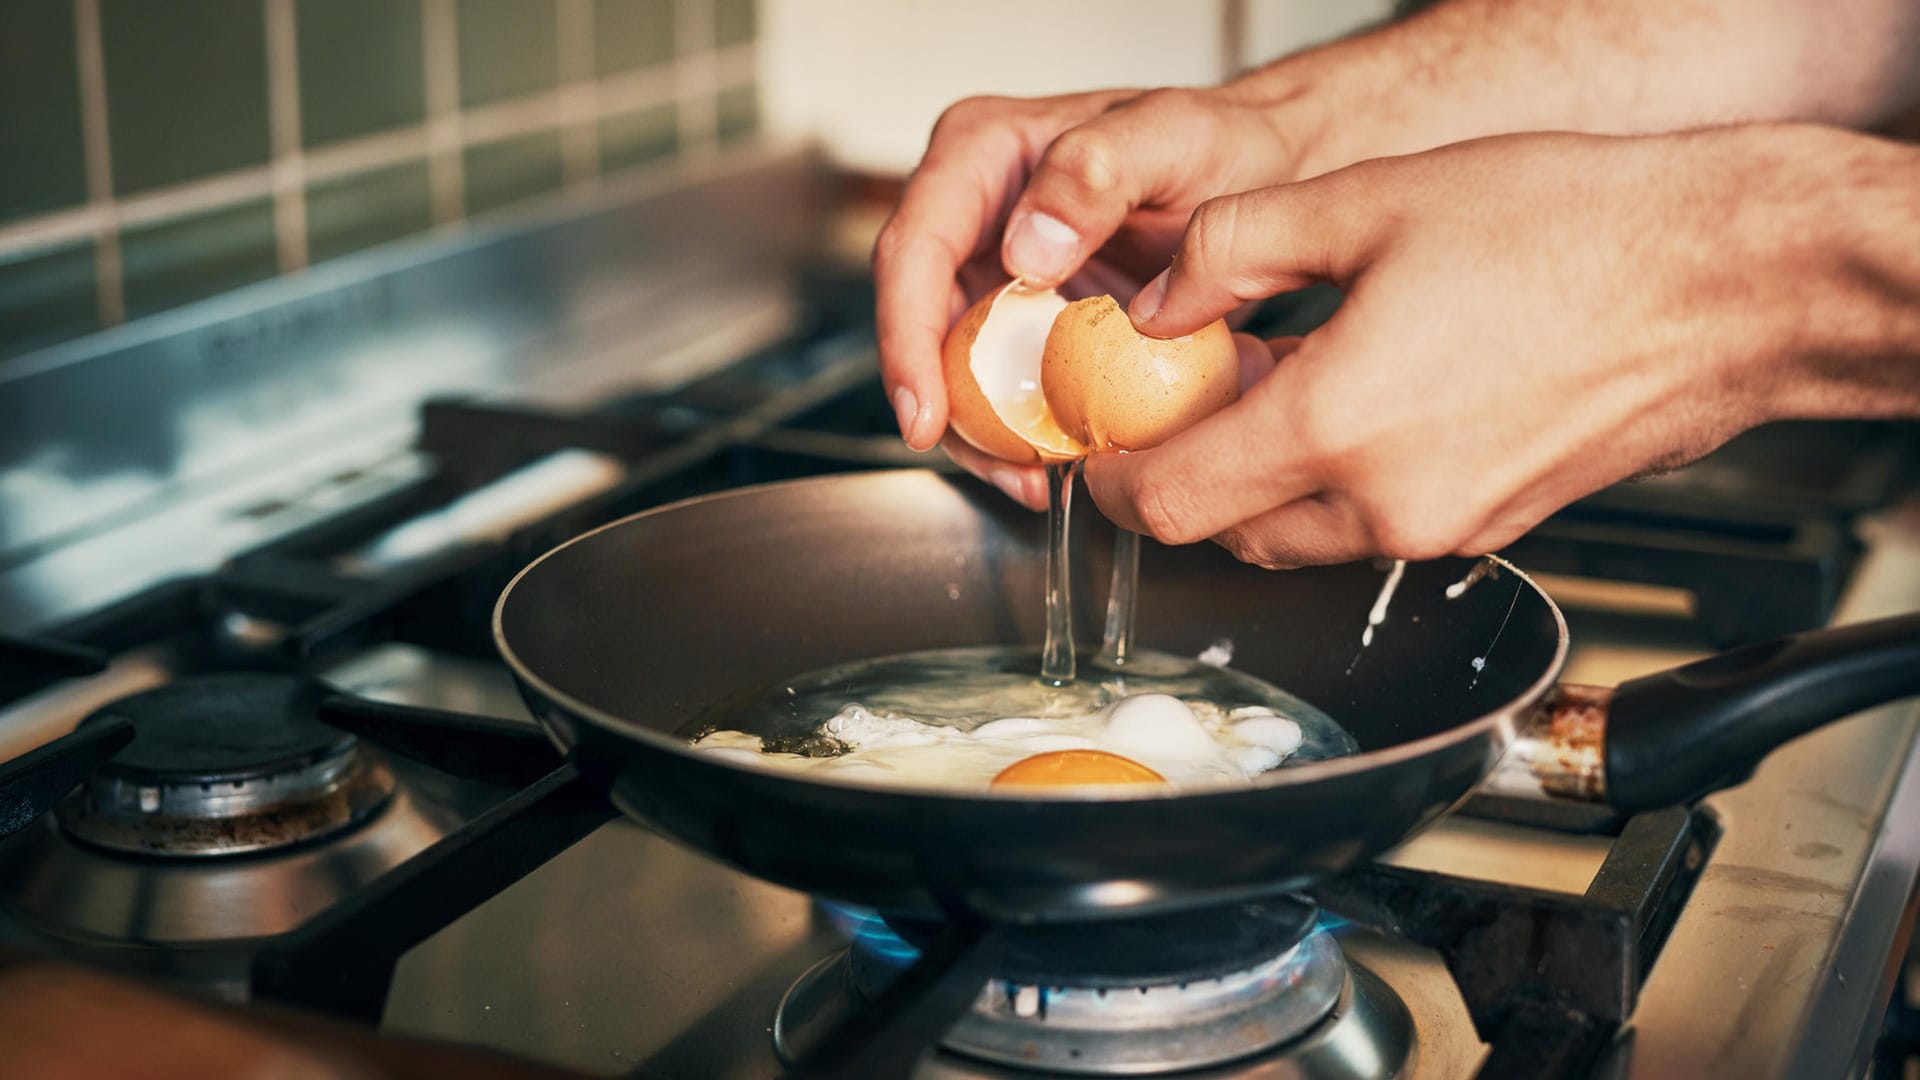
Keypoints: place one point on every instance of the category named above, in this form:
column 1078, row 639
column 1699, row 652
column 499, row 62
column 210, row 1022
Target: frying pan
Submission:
column 623, row 637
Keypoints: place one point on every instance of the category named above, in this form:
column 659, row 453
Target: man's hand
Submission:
column 1529, row 318
column 1089, row 192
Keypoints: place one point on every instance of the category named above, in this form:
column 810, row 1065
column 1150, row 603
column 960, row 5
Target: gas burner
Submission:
column 223, row 765
column 1168, row 994
column 234, row 815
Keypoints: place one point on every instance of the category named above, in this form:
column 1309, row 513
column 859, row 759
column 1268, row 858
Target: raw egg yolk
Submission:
column 1074, row 768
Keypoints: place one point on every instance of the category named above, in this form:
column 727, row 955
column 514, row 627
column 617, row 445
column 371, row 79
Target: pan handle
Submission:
column 1679, row 734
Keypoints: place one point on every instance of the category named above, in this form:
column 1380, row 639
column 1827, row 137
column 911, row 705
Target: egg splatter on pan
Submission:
column 1142, row 738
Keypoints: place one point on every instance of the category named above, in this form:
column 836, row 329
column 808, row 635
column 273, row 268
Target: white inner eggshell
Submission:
column 1006, row 363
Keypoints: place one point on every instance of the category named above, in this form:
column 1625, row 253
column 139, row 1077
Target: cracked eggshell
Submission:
column 992, row 360
column 1111, row 387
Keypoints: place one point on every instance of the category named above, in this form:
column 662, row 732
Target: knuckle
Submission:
column 1158, row 507
column 1256, row 550
column 886, row 246
column 961, row 116
column 1207, row 247
column 1086, row 157
column 1175, row 99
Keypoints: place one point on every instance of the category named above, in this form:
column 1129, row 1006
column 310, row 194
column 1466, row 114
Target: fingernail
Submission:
column 1147, row 304
column 1040, row 248
column 905, row 406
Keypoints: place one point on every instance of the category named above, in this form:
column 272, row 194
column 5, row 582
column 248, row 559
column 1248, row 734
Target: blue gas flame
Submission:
column 869, row 933
column 864, row 928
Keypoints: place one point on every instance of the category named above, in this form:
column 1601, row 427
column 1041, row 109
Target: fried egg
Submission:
column 1184, row 742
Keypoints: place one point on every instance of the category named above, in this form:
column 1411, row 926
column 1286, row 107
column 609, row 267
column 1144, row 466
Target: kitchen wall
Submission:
column 152, row 153
column 869, row 77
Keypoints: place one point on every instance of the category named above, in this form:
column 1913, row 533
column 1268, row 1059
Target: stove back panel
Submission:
column 257, row 390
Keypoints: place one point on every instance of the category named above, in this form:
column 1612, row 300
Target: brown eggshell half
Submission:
column 972, row 351
column 1111, row 387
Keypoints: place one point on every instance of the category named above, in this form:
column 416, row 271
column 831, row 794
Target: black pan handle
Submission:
column 1679, row 734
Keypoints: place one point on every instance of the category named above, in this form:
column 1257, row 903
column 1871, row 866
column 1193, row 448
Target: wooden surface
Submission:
column 58, row 1020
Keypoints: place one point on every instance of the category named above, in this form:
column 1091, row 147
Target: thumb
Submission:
column 1248, row 247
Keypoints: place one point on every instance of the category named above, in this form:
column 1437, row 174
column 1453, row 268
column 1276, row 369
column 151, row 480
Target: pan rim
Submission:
column 1507, row 716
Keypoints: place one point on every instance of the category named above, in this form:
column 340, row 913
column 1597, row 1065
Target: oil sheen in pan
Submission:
column 966, row 687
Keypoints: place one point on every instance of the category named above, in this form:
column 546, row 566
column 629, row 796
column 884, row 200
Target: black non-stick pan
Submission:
column 624, row 636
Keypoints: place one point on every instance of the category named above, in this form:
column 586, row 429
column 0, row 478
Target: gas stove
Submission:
column 256, row 743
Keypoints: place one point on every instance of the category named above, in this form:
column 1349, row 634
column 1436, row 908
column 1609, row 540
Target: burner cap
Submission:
column 222, row 727
column 1153, row 950
column 224, row 764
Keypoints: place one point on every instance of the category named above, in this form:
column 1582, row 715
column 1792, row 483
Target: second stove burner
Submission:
column 225, row 764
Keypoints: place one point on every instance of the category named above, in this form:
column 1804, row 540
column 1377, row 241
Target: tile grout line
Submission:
column 103, row 215
column 695, row 78
column 1233, row 38
column 445, row 141
column 541, row 111
column 287, row 166
column 633, row 90
column 214, row 192
column 101, row 218
column 366, row 153
column 579, row 105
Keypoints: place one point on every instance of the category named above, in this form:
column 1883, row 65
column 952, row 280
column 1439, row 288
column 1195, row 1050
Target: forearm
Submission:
column 1468, row 68
column 1850, row 240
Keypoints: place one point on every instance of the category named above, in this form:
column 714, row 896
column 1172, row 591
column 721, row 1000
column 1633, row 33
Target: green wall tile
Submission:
column 46, row 296
column 355, row 212
column 40, row 158
column 644, row 135
column 739, row 112
column 629, row 34
column 361, row 67
column 177, row 261
column 510, row 170
column 186, row 88
column 508, row 48
column 733, row 22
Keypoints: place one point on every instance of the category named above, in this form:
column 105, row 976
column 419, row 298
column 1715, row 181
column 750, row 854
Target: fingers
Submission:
column 1319, row 530
column 1094, row 175
column 1257, row 358
column 951, row 210
column 1209, row 477
column 914, row 266
column 1252, row 246
column 1024, row 484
